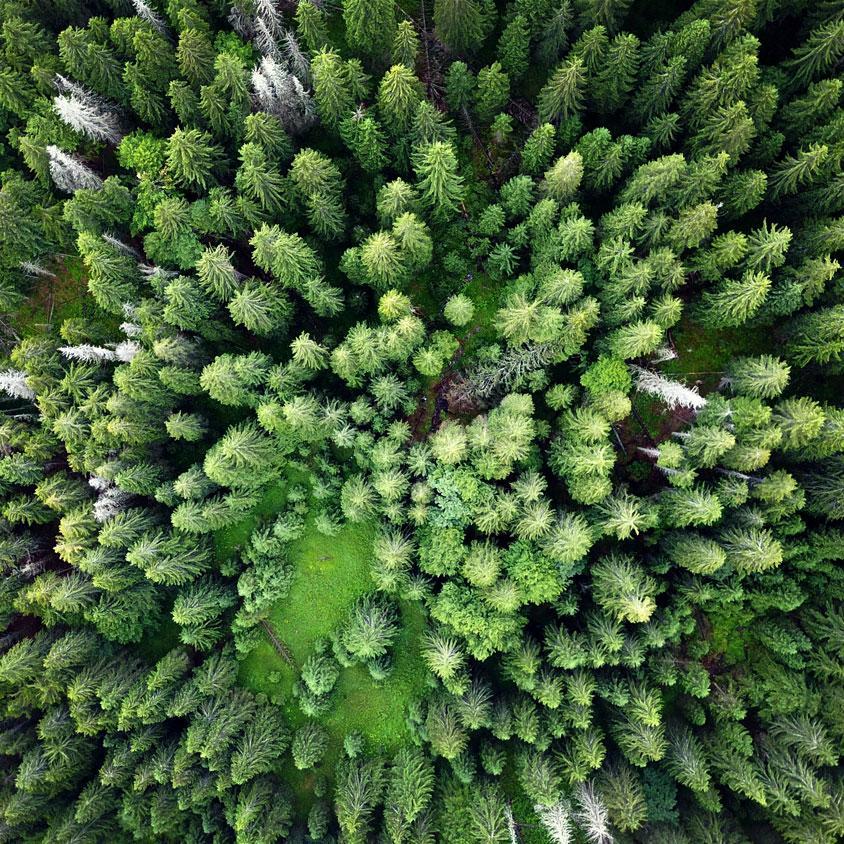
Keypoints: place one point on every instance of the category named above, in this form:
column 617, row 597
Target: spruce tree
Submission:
column 461, row 24
column 370, row 25
column 439, row 184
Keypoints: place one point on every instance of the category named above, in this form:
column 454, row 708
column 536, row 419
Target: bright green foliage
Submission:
column 492, row 91
column 365, row 138
column 405, row 45
column 736, row 300
column 259, row 308
column 439, row 184
column 563, row 178
column 191, row 158
column 311, row 25
column 459, row 310
column 398, row 95
column 308, row 746
column 764, row 377
column 562, row 95
column 332, row 91
column 539, row 148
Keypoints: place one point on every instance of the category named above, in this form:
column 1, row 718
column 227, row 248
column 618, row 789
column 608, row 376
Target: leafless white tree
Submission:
column 126, row 350
column 32, row 268
column 673, row 393
column 511, row 825
column 84, row 113
column 663, row 354
column 110, row 502
column 592, row 816
column 557, row 821
column 279, row 92
column 69, row 173
column 13, row 383
column 98, row 483
column 266, row 11
column 87, row 353
column 151, row 272
column 117, row 243
column 297, row 60
column 147, row 13
column 729, row 473
column 241, row 21
column 264, row 40
column 68, row 86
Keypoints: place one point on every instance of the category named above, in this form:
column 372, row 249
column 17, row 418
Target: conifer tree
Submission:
column 439, row 184
column 538, row 149
column 370, row 25
column 405, row 45
column 563, row 93
column 191, row 157
column 333, row 94
column 311, row 25
column 365, row 138
column 492, row 91
column 398, row 95
column 461, row 24
column 514, row 47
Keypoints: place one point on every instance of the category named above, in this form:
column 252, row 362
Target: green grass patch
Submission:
column 379, row 710
column 702, row 357
column 330, row 573
column 651, row 412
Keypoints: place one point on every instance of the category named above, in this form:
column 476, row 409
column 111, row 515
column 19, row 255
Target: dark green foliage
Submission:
column 462, row 24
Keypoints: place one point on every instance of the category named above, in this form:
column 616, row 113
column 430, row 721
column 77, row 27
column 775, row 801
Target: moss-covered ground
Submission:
column 330, row 573
column 53, row 299
column 228, row 540
column 703, row 353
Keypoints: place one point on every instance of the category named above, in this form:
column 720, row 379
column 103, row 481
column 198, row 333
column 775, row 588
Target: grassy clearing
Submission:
column 330, row 574
column 702, row 358
column 379, row 710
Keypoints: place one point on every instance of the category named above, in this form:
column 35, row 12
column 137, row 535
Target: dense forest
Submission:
column 422, row 421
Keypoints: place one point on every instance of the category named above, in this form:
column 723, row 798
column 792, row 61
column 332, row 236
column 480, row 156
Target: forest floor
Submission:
column 703, row 353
